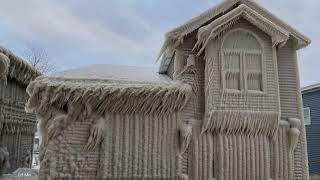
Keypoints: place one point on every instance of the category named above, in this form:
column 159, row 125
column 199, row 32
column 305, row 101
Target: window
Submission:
column 242, row 62
column 232, row 66
column 306, row 116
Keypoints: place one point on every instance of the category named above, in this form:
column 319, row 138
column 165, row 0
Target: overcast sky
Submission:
column 130, row 32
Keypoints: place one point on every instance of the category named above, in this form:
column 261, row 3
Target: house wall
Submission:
column 194, row 110
column 217, row 155
column 134, row 146
column 312, row 100
column 144, row 146
column 18, row 127
column 291, row 102
column 256, row 157
column 207, row 159
column 13, row 91
column 71, row 160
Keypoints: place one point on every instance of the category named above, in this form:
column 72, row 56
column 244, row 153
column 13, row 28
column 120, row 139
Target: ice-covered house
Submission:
column 17, row 127
column 226, row 105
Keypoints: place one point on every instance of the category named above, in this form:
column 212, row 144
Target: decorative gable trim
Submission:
column 218, row 27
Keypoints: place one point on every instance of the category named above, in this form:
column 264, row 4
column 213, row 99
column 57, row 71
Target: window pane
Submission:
column 254, row 81
column 233, row 80
column 242, row 56
column 241, row 40
column 232, row 61
column 253, row 62
column 306, row 116
column 232, row 70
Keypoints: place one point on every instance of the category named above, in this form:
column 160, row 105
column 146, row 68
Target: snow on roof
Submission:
column 116, row 72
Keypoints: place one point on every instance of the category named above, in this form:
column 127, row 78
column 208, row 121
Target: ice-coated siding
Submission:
column 194, row 110
column 291, row 103
column 266, row 102
column 134, row 146
column 18, row 127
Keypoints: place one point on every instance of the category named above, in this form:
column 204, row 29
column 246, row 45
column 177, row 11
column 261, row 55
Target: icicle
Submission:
column 4, row 160
column 106, row 96
column 57, row 125
column 4, row 67
column 185, row 135
column 183, row 176
column 247, row 122
column 97, row 133
column 294, row 133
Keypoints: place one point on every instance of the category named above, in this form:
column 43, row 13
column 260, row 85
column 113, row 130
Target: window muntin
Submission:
column 242, row 62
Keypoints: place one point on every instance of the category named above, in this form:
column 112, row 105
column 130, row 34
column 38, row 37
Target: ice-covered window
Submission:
column 242, row 62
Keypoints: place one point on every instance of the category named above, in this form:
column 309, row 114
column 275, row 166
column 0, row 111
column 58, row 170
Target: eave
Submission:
column 107, row 96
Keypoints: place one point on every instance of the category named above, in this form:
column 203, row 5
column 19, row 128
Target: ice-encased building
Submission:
column 225, row 105
column 17, row 127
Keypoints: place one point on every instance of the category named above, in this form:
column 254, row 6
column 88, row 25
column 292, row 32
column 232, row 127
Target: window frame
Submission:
column 304, row 119
column 243, row 70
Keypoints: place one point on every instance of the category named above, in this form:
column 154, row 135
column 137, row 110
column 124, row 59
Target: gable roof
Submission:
column 175, row 37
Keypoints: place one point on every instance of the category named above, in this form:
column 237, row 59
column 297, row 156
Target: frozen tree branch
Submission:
column 38, row 57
